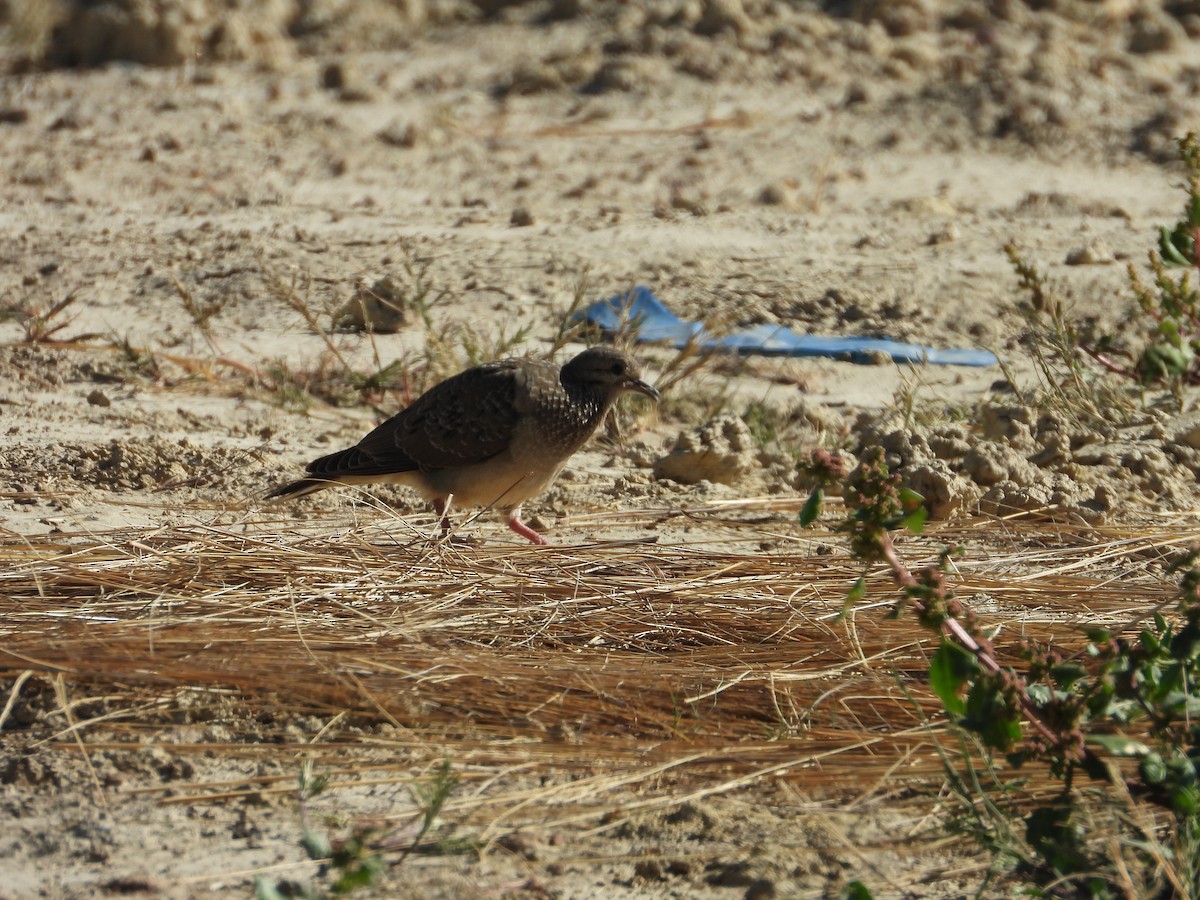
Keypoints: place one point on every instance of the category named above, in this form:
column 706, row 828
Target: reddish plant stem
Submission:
column 1108, row 363
column 981, row 650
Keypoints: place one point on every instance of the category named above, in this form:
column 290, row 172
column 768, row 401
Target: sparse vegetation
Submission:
column 448, row 347
column 360, row 858
column 202, row 312
column 1158, row 344
column 675, row 700
column 1072, row 716
column 40, row 318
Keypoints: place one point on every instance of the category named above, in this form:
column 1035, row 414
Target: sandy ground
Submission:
column 775, row 164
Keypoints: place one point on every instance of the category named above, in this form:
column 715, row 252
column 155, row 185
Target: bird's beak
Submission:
column 636, row 384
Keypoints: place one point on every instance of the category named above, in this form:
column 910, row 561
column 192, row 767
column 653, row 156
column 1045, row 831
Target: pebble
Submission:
column 1096, row 253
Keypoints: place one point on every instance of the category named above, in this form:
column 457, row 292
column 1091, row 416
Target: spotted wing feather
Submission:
column 462, row 421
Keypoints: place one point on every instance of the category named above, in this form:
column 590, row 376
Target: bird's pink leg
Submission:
column 515, row 523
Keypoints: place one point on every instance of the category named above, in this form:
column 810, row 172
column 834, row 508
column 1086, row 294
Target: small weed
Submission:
column 351, row 862
column 390, row 377
column 296, row 292
column 570, row 325
column 687, row 362
column 789, row 722
column 432, row 797
column 289, row 390
column 448, row 349
column 399, row 296
column 1124, row 703
column 484, row 345
column 788, row 432
column 415, row 287
column 1058, row 350
column 201, row 312
column 1164, row 324
column 358, row 859
column 765, row 421
column 914, row 410
column 40, row 320
column 141, row 360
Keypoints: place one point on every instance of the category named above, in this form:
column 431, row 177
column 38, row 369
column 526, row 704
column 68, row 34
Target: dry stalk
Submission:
column 659, row 669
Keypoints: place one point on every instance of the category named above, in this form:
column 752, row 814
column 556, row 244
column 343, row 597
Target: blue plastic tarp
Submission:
column 644, row 314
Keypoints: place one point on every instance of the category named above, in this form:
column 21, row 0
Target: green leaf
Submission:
column 1182, row 770
column 1066, row 674
column 1181, row 704
column 362, row 875
column 1118, row 745
column 1192, row 209
column 949, row 670
column 1185, row 646
column 856, row 890
column 1152, row 769
column 990, row 717
column 915, row 520
column 1175, row 247
column 317, row 846
column 857, row 591
column 1164, row 359
column 812, row 507
column 1125, row 711
column 915, row 512
column 1168, row 684
column 1056, row 838
column 1186, row 800
column 1039, row 694
column 265, row 889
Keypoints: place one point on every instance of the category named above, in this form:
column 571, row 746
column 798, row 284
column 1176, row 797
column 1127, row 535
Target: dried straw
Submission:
column 672, row 670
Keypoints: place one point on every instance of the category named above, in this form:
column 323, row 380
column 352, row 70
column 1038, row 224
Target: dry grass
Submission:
column 552, row 677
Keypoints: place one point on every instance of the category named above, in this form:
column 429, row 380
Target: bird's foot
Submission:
column 526, row 532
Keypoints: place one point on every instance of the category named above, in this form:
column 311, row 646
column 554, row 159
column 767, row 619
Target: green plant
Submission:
column 352, row 860
column 855, row 890
column 1171, row 304
column 357, row 860
column 290, row 390
column 1082, row 718
column 481, row 345
column 1054, row 342
column 432, row 798
column 1165, row 320
column 765, row 422
column 336, row 378
column 915, row 410
column 420, row 291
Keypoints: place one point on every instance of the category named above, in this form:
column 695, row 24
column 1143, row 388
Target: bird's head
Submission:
column 609, row 370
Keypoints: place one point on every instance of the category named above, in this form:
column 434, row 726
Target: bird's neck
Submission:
column 591, row 403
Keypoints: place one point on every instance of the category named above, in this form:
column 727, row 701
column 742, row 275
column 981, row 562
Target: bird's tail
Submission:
column 301, row 488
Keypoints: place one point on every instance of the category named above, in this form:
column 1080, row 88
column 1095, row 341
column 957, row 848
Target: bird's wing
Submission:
column 463, row 420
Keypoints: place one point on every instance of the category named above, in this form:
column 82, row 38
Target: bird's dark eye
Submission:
column 618, row 368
